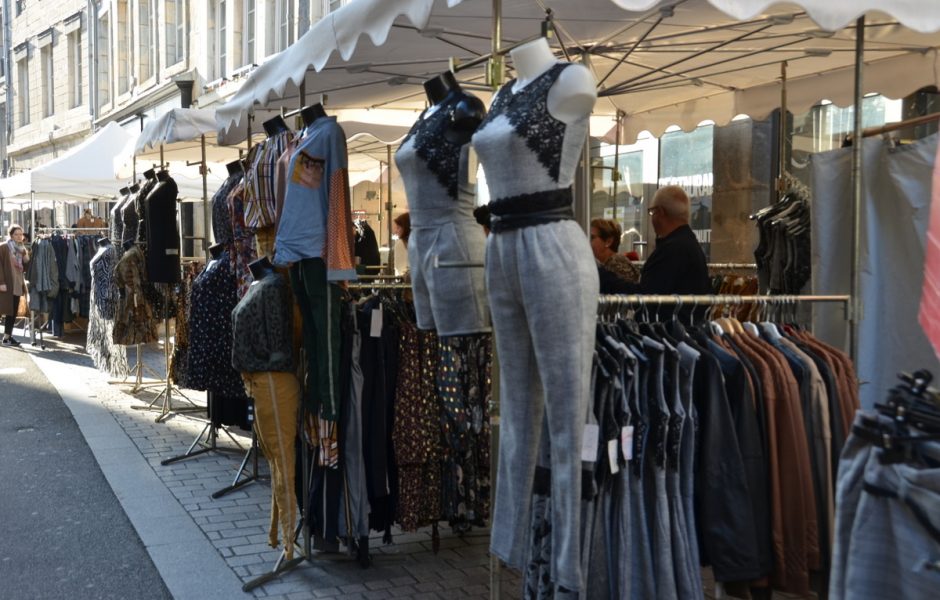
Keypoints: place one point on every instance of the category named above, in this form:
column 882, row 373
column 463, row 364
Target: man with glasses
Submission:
column 677, row 265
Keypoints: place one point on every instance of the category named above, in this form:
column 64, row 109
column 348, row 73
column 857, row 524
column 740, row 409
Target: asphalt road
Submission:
column 63, row 533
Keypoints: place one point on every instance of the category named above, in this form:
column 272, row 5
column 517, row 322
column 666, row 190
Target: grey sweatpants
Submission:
column 542, row 285
column 892, row 549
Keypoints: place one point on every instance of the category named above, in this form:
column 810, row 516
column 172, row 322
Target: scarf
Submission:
column 16, row 252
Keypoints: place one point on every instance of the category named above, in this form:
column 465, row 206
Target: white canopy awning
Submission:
column 660, row 62
column 84, row 172
column 179, row 133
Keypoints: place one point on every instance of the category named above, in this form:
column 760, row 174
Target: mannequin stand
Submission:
column 238, row 482
column 208, row 440
column 138, row 373
column 166, row 407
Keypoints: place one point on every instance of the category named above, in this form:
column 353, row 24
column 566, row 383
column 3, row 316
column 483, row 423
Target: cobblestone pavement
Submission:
column 236, row 524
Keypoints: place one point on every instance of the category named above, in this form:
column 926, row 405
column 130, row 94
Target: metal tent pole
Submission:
column 204, row 171
column 390, row 268
column 856, row 305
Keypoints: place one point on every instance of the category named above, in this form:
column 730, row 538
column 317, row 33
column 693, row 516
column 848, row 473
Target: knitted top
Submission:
column 523, row 148
column 261, row 327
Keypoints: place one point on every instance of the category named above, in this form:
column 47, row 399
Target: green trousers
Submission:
column 319, row 303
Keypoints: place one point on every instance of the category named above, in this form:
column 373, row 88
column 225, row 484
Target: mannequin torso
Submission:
column 574, row 94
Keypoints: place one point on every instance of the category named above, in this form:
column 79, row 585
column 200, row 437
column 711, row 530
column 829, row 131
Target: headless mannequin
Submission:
column 125, row 191
column 573, row 95
column 311, row 113
column 261, row 268
column 150, row 174
column 135, row 188
column 215, row 250
column 104, row 243
column 163, row 175
column 234, row 167
column 468, row 113
column 275, row 126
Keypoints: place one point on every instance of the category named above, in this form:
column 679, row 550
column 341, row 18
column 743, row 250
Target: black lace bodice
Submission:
column 527, row 111
column 441, row 156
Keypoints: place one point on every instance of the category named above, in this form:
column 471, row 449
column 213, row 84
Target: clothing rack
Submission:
column 379, row 286
column 706, row 299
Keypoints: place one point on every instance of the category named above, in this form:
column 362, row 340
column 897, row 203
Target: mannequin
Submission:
column 542, row 284
column 275, row 126
column 262, row 352
column 162, row 231
column 433, row 161
column 576, row 92
column 124, row 191
column 314, row 236
column 261, row 268
column 150, row 174
column 104, row 299
column 438, row 87
column 260, row 185
column 215, row 250
column 311, row 113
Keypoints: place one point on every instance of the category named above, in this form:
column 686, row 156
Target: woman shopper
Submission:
column 13, row 259
column 615, row 267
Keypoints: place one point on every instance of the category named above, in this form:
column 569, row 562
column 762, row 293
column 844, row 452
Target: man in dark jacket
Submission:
column 677, row 265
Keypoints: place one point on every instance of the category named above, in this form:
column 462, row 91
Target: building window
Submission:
column 218, row 46
column 22, row 90
column 18, row 7
column 103, row 50
column 332, row 5
column 175, row 15
column 123, row 47
column 248, row 33
column 3, row 62
column 48, row 81
column 279, row 30
column 75, row 68
column 147, row 51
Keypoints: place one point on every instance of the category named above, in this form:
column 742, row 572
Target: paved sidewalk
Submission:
column 207, row 548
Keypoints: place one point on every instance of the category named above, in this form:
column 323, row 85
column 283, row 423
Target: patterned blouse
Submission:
column 620, row 265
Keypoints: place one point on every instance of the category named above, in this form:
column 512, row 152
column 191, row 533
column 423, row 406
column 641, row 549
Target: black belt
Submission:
column 527, row 210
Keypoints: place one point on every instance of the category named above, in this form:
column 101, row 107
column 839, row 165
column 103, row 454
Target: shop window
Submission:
column 686, row 160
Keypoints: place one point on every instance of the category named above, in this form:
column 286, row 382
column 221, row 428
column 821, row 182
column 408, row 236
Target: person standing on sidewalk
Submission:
column 13, row 260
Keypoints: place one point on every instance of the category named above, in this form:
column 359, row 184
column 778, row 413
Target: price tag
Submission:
column 626, row 442
column 612, row 456
column 375, row 330
column 592, row 434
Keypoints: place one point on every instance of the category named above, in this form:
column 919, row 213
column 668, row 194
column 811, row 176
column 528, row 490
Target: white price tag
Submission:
column 375, row 330
column 626, row 442
column 592, row 434
column 612, row 456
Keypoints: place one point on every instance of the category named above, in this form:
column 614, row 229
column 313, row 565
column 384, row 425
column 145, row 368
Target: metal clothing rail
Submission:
column 707, row 299
column 379, row 286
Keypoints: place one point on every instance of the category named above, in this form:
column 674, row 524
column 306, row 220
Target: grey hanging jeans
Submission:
column 542, row 284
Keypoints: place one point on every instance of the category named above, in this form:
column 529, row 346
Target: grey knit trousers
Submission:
column 542, row 284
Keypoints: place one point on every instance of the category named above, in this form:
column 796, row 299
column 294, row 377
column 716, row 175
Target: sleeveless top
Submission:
column 528, row 155
column 435, row 170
